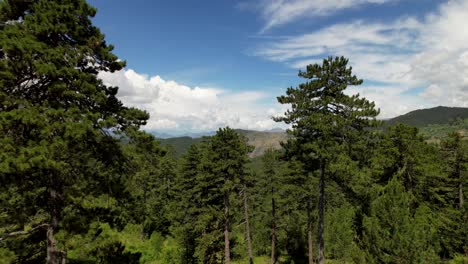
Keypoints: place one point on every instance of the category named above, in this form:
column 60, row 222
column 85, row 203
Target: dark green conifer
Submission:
column 56, row 120
column 324, row 120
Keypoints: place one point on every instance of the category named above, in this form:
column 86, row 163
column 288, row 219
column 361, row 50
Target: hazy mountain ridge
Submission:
column 433, row 123
column 261, row 140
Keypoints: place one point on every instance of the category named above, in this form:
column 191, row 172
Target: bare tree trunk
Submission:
column 273, row 231
column 460, row 193
column 247, row 228
column 458, row 175
column 227, row 253
column 108, row 195
column 54, row 256
column 309, row 232
column 142, row 231
column 321, row 242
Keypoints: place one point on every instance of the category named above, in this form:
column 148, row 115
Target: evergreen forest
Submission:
column 82, row 182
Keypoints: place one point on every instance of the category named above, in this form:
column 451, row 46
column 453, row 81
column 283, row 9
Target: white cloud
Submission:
column 405, row 55
column 371, row 47
column 177, row 108
column 390, row 100
column 278, row 12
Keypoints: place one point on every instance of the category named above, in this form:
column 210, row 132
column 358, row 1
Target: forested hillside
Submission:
column 180, row 144
column 82, row 182
column 440, row 115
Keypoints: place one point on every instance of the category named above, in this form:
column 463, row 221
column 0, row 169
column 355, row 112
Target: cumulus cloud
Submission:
column 178, row 109
column 278, row 12
column 404, row 56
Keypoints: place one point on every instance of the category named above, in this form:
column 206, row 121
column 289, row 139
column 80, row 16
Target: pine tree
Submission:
column 454, row 231
column 408, row 176
column 245, row 203
column 145, row 179
column 229, row 156
column 324, row 119
column 186, row 206
column 57, row 119
column 270, row 170
column 397, row 233
column 456, row 151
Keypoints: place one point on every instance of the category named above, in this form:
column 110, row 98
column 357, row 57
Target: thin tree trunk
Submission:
column 54, row 256
column 247, row 228
column 309, row 232
column 108, row 195
column 460, row 193
column 321, row 242
column 142, row 231
column 273, row 231
column 227, row 253
column 458, row 175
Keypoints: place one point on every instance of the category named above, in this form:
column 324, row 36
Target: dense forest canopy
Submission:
column 81, row 182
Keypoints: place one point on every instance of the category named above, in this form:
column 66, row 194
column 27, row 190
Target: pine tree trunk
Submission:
column 460, row 193
column 321, row 242
column 142, row 231
column 247, row 228
column 273, row 231
column 458, row 175
column 54, row 256
column 309, row 232
column 227, row 253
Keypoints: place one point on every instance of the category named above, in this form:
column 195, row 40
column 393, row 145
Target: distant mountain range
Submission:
column 261, row 140
column 201, row 134
column 433, row 123
column 181, row 135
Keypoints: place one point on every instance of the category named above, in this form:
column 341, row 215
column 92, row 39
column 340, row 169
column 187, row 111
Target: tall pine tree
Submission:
column 229, row 156
column 324, row 120
column 56, row 117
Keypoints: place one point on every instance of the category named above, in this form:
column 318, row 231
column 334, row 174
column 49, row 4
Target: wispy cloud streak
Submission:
column 279, row 12
column 409, row 53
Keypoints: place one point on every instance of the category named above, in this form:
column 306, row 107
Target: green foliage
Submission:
column 459, row 259
column 340, row 235
column 6, row 256
column 437, row 132
column 326, row 124
column 79, row 181
column 103, row 244
column 210, row 174
column 56, row 119
column 181, row 144
column 396, row 233
column 151, row 174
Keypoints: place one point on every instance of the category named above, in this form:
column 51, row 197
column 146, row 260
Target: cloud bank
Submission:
column 179, row 109
column 409, row 63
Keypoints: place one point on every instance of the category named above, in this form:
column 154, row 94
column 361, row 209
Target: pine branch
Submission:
column 20, row 233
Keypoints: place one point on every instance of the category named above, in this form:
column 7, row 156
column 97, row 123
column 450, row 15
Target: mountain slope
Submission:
column 180, row 144
column 432, row 116
column 262, row 140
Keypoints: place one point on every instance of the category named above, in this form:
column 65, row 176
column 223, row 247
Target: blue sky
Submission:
column 198, row 65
